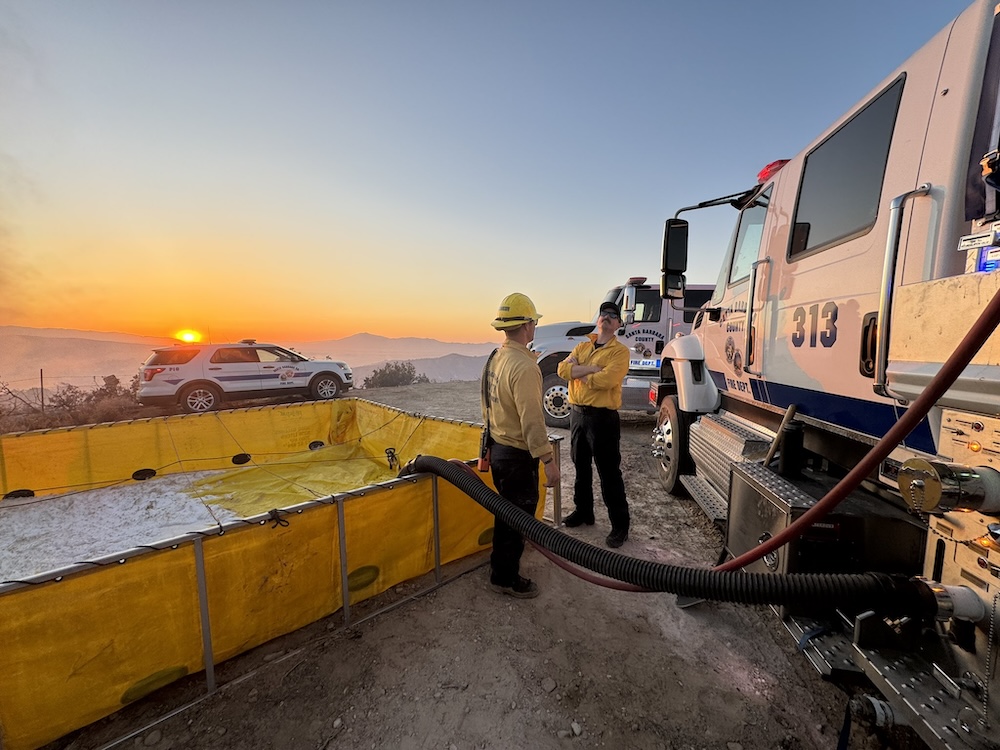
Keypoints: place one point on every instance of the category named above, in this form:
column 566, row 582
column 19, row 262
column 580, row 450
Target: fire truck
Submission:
column 836, row 406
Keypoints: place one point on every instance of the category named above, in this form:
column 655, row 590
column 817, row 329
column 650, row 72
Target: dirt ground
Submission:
column 462, row 667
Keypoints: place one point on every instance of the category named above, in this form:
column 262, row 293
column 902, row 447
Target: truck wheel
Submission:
column 670, row 444
column 555, row 401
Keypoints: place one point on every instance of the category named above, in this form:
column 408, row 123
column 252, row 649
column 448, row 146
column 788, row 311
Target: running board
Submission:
column 711, row 502
column 717, row 441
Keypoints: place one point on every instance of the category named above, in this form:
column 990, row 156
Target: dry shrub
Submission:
column 68, row 406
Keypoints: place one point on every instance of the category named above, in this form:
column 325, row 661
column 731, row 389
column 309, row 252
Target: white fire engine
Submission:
column 836, row 407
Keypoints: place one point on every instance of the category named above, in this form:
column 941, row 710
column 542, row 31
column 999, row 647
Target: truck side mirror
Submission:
column 673, row 263
column 628, row 305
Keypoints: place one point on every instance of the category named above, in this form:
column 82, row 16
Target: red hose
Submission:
column 946, row 376
column 584, row 574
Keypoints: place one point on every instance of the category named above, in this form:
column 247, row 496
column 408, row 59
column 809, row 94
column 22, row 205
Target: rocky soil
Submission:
column 461, row 667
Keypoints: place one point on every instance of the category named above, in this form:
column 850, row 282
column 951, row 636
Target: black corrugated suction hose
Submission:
column 893, row 596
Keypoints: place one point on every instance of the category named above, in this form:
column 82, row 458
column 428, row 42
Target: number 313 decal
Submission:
column 807, row 321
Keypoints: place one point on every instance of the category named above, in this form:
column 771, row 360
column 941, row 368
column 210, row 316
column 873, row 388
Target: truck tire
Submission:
column 555, row 401
column 670, row 445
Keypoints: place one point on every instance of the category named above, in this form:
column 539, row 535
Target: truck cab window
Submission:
column 842, row 177
column 694, row 298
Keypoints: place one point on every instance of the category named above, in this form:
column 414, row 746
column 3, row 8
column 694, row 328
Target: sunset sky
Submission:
column 311, row 169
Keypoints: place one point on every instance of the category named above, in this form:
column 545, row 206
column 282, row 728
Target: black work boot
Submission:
column 576, row 518
column 521, row 588
column 617, row 537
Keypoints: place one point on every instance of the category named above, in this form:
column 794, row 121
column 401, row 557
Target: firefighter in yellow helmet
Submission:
column 512, row 408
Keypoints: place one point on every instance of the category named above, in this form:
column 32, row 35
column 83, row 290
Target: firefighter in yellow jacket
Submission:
column 594, row 371
column 513, row 411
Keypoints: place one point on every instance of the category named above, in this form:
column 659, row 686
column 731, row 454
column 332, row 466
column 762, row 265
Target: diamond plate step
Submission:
column 710, row 501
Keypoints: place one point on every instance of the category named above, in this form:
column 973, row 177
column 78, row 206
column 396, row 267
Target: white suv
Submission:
column 199, row 377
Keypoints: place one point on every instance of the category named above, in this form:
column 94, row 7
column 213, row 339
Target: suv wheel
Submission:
column 555, row 401
column 325, row 386
column 197, row 399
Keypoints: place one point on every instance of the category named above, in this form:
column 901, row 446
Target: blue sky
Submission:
column 312, row 169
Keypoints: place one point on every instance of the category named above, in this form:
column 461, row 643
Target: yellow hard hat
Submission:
column 515, row 309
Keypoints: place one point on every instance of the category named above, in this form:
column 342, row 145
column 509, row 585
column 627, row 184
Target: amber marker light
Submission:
column 975, row 446
column 188, row 337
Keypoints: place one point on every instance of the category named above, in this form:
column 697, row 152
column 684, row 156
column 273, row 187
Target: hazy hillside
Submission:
column 82, row 358
column 438, row 370
column 61, row 333
column 75, row 361
column 366, row 349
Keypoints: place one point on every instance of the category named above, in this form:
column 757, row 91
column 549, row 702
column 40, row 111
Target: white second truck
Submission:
column 649, row 322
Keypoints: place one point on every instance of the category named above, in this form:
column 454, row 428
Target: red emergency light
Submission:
column 770, row 170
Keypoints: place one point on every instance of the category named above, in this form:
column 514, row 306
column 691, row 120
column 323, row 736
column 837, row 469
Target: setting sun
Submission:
column 188, row 337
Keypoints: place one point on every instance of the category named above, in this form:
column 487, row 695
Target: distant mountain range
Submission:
column 57, row 356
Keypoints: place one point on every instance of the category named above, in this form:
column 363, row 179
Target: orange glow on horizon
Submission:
column 277, row 332
column 88, row 301
column 442, row 324
column 458, row 330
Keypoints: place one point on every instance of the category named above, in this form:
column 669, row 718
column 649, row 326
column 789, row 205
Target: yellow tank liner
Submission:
column 325, row 524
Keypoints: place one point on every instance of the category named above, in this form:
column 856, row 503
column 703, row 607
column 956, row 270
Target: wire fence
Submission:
column 36, row 393
column 52, row 380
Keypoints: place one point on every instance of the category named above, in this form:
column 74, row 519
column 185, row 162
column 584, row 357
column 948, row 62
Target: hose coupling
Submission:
column 955, row 602
column 409, row 468
column 935, row 487
column 874, row 712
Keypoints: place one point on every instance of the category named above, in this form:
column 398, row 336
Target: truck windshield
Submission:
column 647, row 303
column 748, row 237
column 615, row 295
column 745, row 247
